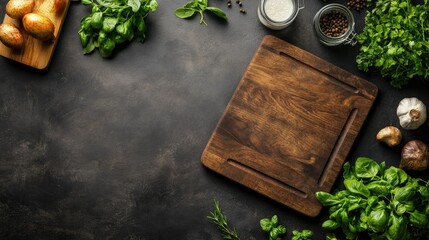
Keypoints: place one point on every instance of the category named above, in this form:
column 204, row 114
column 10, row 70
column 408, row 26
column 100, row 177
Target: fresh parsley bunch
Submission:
column 113, row 22
column 395, row 40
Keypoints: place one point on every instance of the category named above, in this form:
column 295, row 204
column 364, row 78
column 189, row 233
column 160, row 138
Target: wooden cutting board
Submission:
column 36, row 53
column 289, row 126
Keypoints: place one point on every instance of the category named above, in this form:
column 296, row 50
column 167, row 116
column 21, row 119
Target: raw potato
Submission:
column 10, row 36
column 18, row 8
column 38, row 26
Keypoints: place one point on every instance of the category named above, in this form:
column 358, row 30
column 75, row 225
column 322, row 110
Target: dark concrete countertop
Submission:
column 97, row 148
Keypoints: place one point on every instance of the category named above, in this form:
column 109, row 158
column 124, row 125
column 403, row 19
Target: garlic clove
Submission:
column 389, row 135
column 414, row 156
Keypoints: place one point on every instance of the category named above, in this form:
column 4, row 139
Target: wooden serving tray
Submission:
column 36, row 53
column 289, row 126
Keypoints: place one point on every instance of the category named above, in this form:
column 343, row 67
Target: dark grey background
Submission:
column 97, row 148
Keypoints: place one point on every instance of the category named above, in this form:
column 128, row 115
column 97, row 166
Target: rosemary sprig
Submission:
column 219, row 218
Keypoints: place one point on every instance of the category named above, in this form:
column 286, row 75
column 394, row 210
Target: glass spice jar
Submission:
column 345, row 37
column 278, row 14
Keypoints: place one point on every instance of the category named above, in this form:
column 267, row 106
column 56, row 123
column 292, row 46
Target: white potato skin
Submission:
column 18, row 8
column 38, row 26
column 10, row 36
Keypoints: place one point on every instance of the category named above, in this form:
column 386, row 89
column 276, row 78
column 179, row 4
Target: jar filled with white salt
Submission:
column 278, row 14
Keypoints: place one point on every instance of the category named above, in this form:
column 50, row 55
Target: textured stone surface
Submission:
column 98, row 148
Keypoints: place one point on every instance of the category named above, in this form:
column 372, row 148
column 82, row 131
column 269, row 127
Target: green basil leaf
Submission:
column 397, row 229
column 97, row 20
column 330, row 224
column 90, row 47
column 307, row 233
column 84, row 38
column 378, row 219
column 403, row 176
column 218, row 12
column 380, row 188
column 274, row 220
column 347, row 171
column 366, row 168
column 326, row 199
column 266, row 224
column 355, row 186
column 391, row 176
column 153, row 5
column 86, row 2
column 184, row 12
column 331, row 236
column 281, row 229
column 419, row 219
column 109, row 24
column 274, row 234
column 404, row 194
column 344, row 217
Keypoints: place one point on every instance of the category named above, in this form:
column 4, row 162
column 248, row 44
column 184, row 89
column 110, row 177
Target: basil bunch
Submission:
column 113, row 22
column 385, row 203
column 272, row 226
column 199, row 6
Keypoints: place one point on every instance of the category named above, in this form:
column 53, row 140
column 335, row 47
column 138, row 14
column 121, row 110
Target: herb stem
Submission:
column 219, row 218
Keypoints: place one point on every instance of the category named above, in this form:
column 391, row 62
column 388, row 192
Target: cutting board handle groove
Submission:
column 338, row 145
column 266, row 178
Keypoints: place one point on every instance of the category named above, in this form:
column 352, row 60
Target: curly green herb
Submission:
column 395, row 41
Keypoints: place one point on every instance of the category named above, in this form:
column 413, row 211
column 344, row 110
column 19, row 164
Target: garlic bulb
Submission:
column 411, row 113
column 414, row 156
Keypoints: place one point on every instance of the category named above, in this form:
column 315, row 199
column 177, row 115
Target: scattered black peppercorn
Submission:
column 334, row 24
column 239, row 3
column 356, row 4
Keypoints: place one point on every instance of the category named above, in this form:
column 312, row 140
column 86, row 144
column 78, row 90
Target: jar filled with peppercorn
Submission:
column 278, row 14
column 334, row 24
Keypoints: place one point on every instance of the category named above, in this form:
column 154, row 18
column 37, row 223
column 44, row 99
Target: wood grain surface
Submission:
column 36, row 53
column 289, row 126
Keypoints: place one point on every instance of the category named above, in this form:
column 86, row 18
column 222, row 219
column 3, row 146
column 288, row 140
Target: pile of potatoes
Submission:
column 35, row 24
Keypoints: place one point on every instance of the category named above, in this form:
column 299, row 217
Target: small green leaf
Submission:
column 86, row 2
column 378, row 219
column 266, row 224
column 134, row 4
column 419, row 219
column 330, row 224
column 184, row 12
column 109, row 24
column 326, row 199
column 366, row 168
column 281, row 229
column 356, row 187
column 274, row 220
column 153, row 5
column 218, row 12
